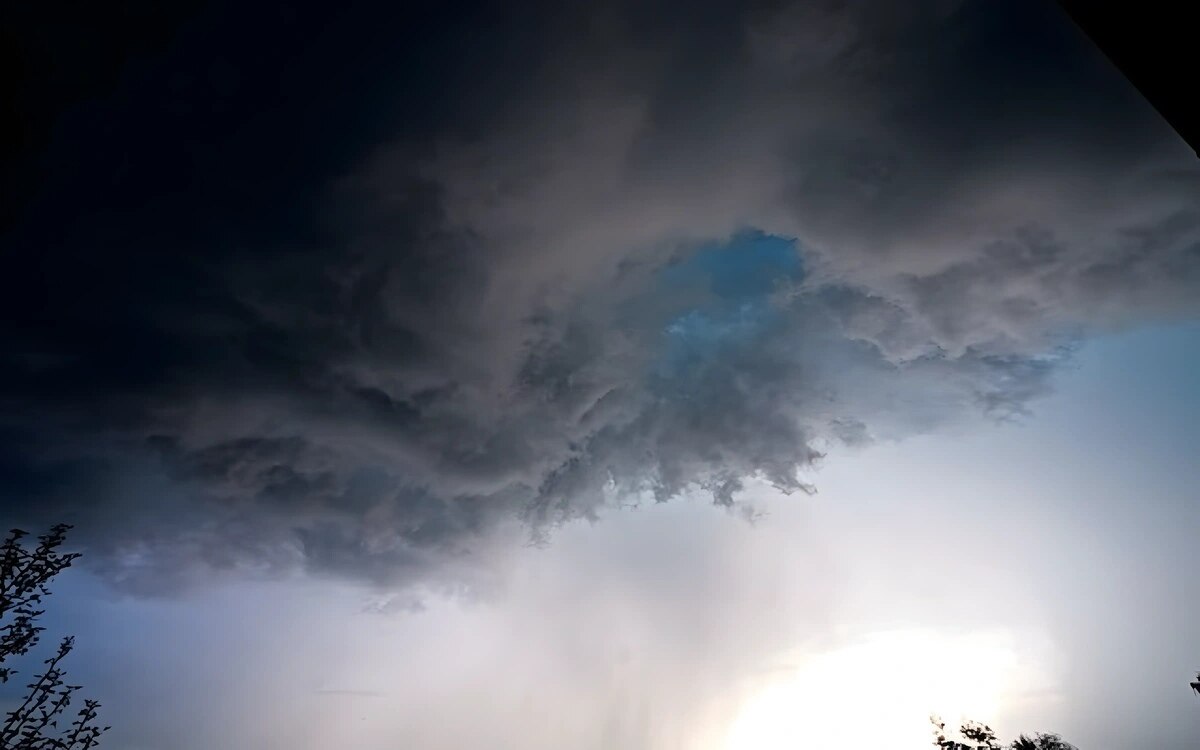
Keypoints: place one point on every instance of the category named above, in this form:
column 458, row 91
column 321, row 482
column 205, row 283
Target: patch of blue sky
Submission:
column 748, row 266
column 727, row 288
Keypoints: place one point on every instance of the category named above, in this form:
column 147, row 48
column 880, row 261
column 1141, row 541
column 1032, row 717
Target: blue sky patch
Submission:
column 734, row 280
column 748, row 266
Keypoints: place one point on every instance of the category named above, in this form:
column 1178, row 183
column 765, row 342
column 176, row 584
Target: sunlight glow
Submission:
column 879, row 692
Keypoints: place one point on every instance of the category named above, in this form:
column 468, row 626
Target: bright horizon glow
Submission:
column 880, row 691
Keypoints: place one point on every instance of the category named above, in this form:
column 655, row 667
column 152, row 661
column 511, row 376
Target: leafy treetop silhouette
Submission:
column 982, row 737
column 34, row 723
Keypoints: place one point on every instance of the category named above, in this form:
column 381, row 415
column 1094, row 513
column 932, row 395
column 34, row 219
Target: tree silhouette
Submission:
column 1041, row 742
column 982, row 737
column 34, row 723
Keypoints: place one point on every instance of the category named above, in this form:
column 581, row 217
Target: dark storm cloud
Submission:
column 345, row 291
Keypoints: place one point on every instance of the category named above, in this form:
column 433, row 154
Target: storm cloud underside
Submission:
column 465, row 271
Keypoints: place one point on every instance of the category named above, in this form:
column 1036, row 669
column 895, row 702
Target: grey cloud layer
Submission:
column 480, row 330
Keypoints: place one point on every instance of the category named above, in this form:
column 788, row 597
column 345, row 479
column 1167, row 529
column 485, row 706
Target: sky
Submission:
column 730, row 377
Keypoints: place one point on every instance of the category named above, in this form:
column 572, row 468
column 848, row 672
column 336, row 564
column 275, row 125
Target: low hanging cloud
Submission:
column 574, row 258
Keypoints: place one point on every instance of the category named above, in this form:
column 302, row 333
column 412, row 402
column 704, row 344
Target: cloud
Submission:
column 508, row 267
